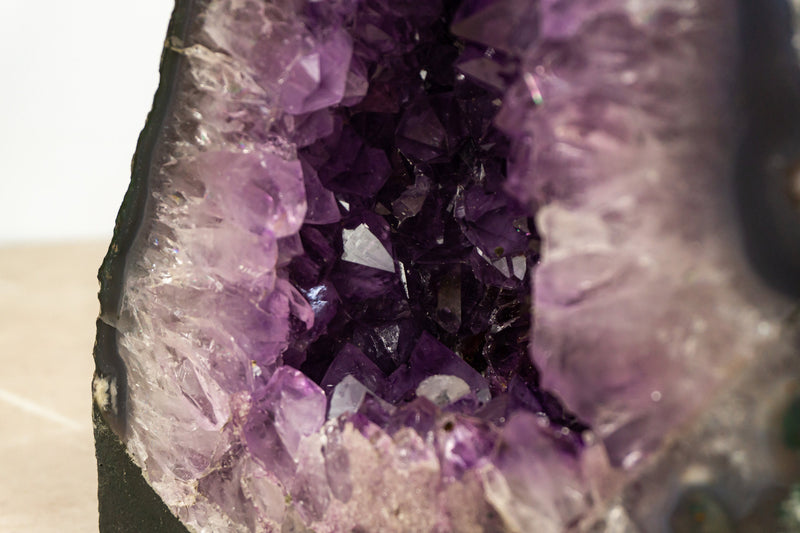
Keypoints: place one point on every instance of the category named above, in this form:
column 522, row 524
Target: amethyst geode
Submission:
column 510, row 265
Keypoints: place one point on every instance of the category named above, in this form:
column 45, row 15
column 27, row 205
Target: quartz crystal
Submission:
column 463, row 266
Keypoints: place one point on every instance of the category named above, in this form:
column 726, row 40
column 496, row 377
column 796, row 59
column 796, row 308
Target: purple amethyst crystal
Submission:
column 478, row 265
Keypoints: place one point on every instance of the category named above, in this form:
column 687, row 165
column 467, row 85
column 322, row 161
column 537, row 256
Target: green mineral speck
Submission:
column 791, row 425
column 790, row 511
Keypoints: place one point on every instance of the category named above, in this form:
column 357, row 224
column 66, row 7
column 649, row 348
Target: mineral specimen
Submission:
column 477, row 265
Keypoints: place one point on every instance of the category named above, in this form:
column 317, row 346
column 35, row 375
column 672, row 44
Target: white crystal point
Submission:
column 311, row 67
column 347, row 397
column 442, row 389
column 520, row 266
column 364, row 248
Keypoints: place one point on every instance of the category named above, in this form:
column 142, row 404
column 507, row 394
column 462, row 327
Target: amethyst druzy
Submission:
column 479, row 265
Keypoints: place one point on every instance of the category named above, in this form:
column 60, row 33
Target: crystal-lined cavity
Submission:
column 451, row 266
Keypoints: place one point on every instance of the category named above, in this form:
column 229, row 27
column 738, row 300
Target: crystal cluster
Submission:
column 412, row 256
column 447, row 266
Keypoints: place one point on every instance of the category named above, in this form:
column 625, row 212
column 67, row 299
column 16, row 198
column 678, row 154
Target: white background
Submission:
column 77, row 79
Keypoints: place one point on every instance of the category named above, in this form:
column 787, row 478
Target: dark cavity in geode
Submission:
column 414, row 258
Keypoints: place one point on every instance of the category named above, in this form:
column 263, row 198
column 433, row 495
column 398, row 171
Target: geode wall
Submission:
column 462, row 266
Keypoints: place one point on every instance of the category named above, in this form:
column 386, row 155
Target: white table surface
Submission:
column 48, row 304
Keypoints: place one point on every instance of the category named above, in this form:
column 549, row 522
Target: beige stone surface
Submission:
column 48, row 304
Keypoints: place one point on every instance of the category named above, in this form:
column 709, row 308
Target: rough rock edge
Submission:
column 126, row 501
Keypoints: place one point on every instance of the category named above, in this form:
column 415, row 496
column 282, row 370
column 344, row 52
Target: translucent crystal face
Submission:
column 461, row 266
